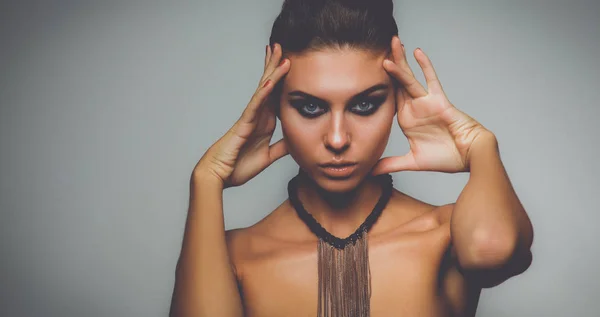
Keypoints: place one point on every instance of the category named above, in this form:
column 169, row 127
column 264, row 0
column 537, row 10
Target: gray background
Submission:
column 106, row 106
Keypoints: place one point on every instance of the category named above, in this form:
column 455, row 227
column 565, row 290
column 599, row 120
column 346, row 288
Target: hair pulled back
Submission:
column 312, row 25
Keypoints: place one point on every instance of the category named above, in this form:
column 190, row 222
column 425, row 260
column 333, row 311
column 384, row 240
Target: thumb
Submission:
column 277, row 150
column 395, row 164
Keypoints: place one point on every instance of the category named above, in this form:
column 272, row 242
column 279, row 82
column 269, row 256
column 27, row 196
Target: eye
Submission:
column 307, row 108
column 364, row 106
column 368, row 106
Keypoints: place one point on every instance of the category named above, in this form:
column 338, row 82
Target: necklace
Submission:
column 343, row 264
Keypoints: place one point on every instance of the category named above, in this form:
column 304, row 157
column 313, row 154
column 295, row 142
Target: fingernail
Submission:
column 282, row 61
column 267, row 49
column 266, row 83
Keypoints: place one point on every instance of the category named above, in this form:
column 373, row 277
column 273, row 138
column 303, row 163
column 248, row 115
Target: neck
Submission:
column 339, row 213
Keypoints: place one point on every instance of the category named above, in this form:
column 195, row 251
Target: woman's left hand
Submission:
column 440, row 136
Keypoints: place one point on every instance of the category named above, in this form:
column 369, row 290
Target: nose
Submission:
column 337, row 138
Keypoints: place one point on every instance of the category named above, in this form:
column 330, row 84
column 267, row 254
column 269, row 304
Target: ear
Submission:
column 388, row 54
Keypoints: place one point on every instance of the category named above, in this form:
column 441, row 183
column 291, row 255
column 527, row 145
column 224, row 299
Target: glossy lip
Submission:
column 339, row 170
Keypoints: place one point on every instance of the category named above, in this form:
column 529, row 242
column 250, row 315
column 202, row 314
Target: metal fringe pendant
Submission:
column 344, row 280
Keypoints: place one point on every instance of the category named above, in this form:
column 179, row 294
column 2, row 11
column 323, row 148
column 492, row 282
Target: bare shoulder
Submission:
column 413, row 213
column 264, row 239
column 417, row 216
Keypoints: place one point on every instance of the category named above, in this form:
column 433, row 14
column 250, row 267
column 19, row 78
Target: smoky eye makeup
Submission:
column 308, row 107
column 364, row 103
column 314, row 107
column 368, row 105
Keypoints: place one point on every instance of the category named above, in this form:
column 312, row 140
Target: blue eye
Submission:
column 312, row 109
column 368, row 106
column 364, row 106
column 307, row 109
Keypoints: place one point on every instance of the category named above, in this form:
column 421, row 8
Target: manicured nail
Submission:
column 266, row 83
column 282, row 62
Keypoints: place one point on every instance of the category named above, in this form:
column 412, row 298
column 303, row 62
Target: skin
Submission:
column 407, row 245
column 425, row 260
column 343, row 128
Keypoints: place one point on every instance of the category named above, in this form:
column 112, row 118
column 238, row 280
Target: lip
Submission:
column 337, row 163
column 339, row 170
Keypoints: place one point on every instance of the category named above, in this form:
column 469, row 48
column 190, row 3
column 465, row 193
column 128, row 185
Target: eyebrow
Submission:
column 360, row 95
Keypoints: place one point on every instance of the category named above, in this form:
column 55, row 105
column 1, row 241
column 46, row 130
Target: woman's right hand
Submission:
column 244, row 151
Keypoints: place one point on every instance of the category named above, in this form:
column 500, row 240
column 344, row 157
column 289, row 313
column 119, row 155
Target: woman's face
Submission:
column 337, row 106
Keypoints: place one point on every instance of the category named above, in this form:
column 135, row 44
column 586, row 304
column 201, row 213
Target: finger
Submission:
column 401, row 99
column 250, row 114
column 274, row 61
column 414, row 87
column 433, row 83
column 277, row 150
column 398, row 52
column 395, row 164
column 406, row 79
column 279, row 71
column 266, row 119
column 267, row 55
column 260, row 96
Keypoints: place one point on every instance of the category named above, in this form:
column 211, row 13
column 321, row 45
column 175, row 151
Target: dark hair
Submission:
column 306, row 25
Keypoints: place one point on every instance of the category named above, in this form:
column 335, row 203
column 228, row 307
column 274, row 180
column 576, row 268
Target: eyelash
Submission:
column 374, row 101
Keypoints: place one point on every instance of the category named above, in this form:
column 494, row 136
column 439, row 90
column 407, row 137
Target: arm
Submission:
column 491, row 232
column 205, row 284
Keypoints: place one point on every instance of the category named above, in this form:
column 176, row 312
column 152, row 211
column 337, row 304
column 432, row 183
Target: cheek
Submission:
column 373, row 133
column 298, row 138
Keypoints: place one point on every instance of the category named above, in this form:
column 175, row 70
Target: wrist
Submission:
column 205, row 176
column 486, row 142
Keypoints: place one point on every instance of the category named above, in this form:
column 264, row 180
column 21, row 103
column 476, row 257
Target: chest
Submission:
column 405, row 277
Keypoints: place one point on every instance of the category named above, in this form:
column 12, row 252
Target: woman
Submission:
column 336, row 76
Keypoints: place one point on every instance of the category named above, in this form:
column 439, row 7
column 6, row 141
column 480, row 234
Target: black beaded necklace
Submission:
column 343, row 264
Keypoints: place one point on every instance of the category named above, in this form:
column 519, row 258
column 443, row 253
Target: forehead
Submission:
column 335, row 71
